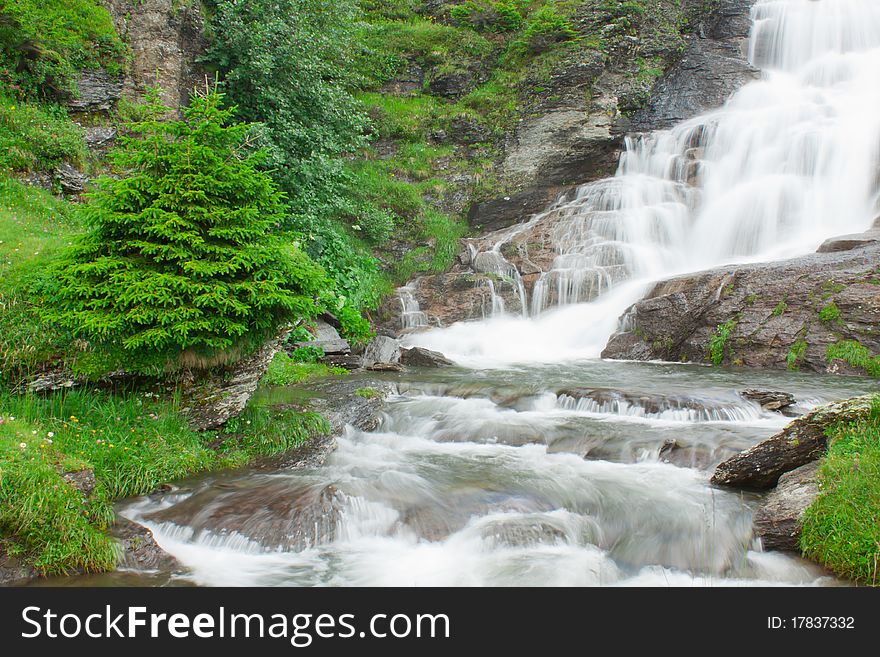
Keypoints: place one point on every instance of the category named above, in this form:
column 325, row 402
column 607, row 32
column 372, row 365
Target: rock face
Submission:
column 801, row 442
column 140, row 549
column 165, row 37
column 714, row 65
column 97, row 91
column 71, row 180
column 780, row 315
column 224, row 394
column 778, row 519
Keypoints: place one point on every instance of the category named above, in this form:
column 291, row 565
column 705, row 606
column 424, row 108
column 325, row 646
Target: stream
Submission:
column 533, row 461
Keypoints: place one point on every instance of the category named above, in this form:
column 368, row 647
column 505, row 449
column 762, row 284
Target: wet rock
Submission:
column 223, row 394
column 500, row 213
column 386, row 367
column 421, row 357
column 344, row 361
column 337, row 400
column 381, row 350
column 275, row 513
column 714, row 65
column 850, row 242
column 12, row 571
column 801, row 442
column 770, row 400
column 778, row 519
column 774, row 309
column 71, row 180
column 97, row 91
column 140, row 551
column 604, row 400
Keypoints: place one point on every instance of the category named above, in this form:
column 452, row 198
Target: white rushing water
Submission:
column 584, row 472
column 789, row 161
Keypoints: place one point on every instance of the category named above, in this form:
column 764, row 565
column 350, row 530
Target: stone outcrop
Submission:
column 224, row 393
column 165, row 37
column 769, row 400
column 801, row 442
column 778, row 519
column 97, row 91
column 714, row 65
column 774, row 312
column 381, row 350
column 421, row 357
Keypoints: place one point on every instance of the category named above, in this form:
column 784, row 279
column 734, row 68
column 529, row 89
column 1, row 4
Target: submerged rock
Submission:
column 778, row 519
column 801, row 442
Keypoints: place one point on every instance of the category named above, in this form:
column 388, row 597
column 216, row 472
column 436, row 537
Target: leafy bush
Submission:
column 183, row 266
column 37, row 137
column 545, row 27
column 718, row 342
column 45, row 41
column 484, row 16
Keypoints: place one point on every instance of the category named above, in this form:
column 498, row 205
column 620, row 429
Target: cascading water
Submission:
column 562, row 469
column 789, row 161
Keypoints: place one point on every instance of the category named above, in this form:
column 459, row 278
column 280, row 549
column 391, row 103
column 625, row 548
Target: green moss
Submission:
column 367, row 393
column 841, row 529
column 856, row 354
column 285, row 371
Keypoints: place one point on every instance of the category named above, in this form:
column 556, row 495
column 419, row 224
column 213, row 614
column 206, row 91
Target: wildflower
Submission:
column 12, row 418
column 22, row 445
column 111, row 445
column 34, row 432
column 51, row 434
column 48, row 441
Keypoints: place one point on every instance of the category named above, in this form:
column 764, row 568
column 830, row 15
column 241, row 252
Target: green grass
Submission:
column 132, row 442
column 367, row 393
column 780, row 309
column 856, row 354
column 36, row 137
column 34, row 228
column 841, row 529
column 830, row 312
column 285, row 371
column 796, row 353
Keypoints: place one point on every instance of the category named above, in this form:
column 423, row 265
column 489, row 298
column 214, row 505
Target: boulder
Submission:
column 773, row 310
column 801, row 442
column 381, row 349
column 850, row 242
column 420, row 357
column 778, row 519
column 140, row 551
column 769, row 400
column 326, row 338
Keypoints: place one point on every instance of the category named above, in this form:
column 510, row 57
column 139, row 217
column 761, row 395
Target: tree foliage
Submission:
column 183, row 262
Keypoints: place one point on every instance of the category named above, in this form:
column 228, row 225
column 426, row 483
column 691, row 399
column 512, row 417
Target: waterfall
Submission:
column 789, row 161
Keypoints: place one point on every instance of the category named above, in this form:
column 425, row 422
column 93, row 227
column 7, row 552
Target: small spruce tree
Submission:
column 183, row 264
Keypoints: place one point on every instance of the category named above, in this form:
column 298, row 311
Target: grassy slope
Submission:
column 841, row 529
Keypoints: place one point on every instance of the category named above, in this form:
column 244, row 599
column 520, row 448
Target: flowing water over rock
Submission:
column 535, row 463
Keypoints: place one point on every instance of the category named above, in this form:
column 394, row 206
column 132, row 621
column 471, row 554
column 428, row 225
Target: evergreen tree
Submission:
column 182, row 264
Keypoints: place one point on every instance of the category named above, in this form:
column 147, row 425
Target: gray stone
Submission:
column 381, row 349
column 98, row 137
column 421, row 357
column 774, row 308
column 326, row 338
column 223, row 394
column 778, row 519
column 140, row 551
column 71, row 180
column 850, row 242
column 97, row 91
column 770, row 400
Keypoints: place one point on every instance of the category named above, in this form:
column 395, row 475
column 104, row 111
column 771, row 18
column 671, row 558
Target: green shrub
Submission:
column 796, row 353
column 484, row 16
column 780, row 308
column 183, row 265
column 544, row 28
column 36, row 137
